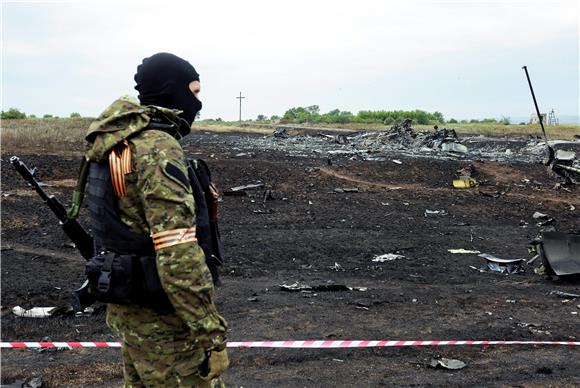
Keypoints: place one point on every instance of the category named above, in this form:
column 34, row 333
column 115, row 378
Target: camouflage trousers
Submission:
column 143, row 368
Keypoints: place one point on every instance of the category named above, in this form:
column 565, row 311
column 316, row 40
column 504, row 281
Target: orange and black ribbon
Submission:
column 169, row 238
column 119, row 165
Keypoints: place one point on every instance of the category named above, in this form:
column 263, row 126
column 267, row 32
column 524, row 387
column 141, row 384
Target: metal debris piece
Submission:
column 247, row 187
column 396, row 161
column 494, row 259
column 495, row 264
column 562, row 294
column 242, row 190
column 561, row 252
column 387, row 257
column 454, row 147
column 565, row 155
column 435, row 212
column 447, row 363
column 548, row 222
column 507, row 269
column 337, row 267
column 87, row 311
column 346, row 190
column 300, row 287
column 281, row 132
column 463, row 251
column 538, row 215
column 262, row 211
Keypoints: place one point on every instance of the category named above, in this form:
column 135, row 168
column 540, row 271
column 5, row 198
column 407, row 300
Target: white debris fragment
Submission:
column 454, row 147
column 35, row 312
column 538, row 215
column 463, row 251
column 387, row 257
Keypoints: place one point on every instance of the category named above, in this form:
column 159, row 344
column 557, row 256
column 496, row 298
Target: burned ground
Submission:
column 309, row 232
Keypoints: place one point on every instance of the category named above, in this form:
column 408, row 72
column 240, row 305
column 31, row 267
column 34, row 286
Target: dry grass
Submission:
column 47, row 135
column 57, row 135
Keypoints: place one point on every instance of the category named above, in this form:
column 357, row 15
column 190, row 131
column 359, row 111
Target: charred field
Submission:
column 332, row 207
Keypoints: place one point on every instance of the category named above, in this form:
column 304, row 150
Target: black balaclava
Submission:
column 163, row 79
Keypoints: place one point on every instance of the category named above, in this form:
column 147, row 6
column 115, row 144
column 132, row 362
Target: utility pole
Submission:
column 240, row 98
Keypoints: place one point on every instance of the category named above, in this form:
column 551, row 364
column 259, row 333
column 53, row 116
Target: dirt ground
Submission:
column 312, row 234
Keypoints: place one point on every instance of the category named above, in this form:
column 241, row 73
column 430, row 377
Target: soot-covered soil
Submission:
column 312, row 234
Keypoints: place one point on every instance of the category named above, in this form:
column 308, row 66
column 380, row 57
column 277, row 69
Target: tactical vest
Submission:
column 123, row 270
column 108, row 230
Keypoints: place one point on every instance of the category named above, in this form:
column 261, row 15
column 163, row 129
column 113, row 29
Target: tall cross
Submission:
column 240, row 98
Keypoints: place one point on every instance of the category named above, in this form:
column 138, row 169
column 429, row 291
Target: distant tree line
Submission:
column 16, row 114
column 311, row 114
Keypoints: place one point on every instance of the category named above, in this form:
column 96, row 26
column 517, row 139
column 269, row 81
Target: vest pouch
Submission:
column 112, row 277
column 151, row 292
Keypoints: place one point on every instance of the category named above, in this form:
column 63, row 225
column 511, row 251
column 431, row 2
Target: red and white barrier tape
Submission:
column 308, row 344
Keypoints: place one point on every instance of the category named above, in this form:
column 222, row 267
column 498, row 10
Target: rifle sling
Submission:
column 79, row 192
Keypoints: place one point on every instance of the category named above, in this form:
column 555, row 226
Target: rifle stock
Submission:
column 74, row 231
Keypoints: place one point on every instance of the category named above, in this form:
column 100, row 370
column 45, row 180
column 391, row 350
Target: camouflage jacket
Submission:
column 156, row 202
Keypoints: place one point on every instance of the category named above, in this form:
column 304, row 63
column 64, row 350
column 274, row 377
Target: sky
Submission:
column 461, row 58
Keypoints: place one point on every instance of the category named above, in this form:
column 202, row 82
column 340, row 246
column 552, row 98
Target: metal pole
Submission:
column 536, row 105
column 240, row 98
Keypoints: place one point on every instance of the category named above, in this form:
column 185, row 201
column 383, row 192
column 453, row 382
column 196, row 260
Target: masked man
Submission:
column 141, row 205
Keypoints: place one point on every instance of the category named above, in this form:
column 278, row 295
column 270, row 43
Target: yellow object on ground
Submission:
column 464, row 183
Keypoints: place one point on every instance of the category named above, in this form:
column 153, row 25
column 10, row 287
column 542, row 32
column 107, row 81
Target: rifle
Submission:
column 75, row 232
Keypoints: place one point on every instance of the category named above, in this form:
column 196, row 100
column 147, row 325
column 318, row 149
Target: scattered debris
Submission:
column 454, row 147
column 263, row 211
column 281, row 132
column 463, row 251
column 87, row 311
column 396, row 161
column 242, row 190
column 538, row 215
column 346, row 190
column 41, row 312
column 548, row 222
column 565, row 165
column 495, row 264
column 247, row 187
column 337, row 267
column 564, row 294
column 299, row 287
column 387, row 257
column 492, row 194
column 32, row 382
column 435, row 212
column 447, row 363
